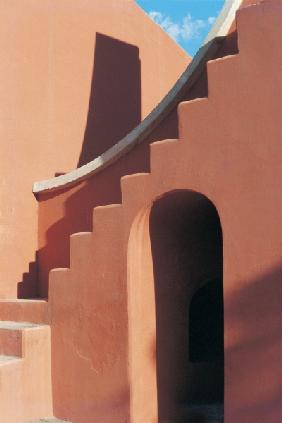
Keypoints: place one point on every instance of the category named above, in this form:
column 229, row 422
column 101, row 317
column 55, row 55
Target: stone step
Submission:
column 24, row 310
column 11, row 325
column 25, row 371
column 8, row 359
column 12, row 339
column 52, row 420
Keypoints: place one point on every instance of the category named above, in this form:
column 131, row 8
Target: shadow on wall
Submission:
column 115, row 97
column 186, row 243
column 69, row 211
column 55, row 226
column 253, row 318
column 28, row 287
column 114, row 110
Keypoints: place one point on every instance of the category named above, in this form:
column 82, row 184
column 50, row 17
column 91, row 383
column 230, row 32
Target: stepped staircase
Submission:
column 25, row 327
column 48, row 421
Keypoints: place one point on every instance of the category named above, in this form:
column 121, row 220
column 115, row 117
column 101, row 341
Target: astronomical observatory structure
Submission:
column 140, row 216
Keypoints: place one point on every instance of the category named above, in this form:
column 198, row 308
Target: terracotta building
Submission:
column 140, row 216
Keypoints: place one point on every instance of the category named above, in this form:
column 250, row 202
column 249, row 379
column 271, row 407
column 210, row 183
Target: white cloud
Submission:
column 156, row 16
column 187, row 29
column 172, row 28
column 211, row 20
column 191, row 28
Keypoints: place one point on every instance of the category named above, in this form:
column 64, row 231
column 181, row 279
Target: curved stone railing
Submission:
column 138, row 134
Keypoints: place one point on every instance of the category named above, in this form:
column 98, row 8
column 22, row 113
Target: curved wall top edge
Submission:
column 138, row 134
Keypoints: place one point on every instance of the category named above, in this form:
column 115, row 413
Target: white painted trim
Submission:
column 138, row 134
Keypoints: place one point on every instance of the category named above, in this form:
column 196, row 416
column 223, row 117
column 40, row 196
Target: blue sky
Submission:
column 186, row 21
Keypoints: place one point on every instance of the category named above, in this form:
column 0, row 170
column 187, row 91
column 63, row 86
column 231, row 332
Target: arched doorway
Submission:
column 186, row 243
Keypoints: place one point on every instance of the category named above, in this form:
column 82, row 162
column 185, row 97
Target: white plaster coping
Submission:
column 11, row 325
column 138, row 134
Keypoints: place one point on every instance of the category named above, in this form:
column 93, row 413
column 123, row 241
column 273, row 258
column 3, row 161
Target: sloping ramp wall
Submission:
column 65, row 202
column 229, row 150
column 63, row 62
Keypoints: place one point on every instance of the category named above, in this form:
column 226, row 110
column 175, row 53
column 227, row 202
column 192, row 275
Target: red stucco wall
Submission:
column 53, row 55
column 229, row 151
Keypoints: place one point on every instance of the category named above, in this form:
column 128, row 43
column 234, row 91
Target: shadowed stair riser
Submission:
column 135, row 188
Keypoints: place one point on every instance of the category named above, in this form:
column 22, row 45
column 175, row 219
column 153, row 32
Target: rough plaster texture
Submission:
column 102, row 309
column 60, row 213
column 210, row 45
column 56, row 99
column 229, row 151
column 35, row 311
column 25, row 380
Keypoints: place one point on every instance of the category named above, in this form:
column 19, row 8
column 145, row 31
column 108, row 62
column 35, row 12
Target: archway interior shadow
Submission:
column 115, row 96
column 186, row 242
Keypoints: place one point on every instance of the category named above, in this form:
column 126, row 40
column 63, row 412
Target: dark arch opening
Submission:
column 186, row 242
column 206, row 324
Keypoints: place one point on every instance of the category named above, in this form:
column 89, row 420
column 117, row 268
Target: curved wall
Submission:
column 66, row 203
column 174, row 248
column 64, row 64
column 68, row 211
